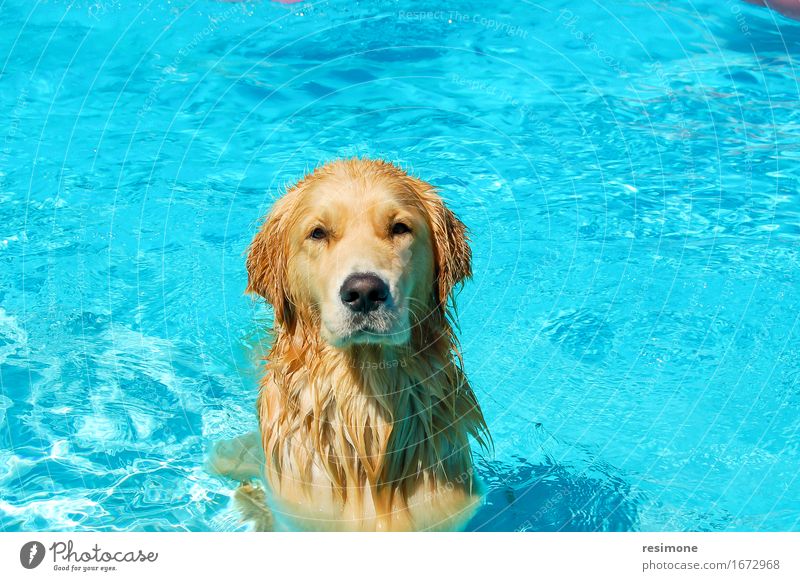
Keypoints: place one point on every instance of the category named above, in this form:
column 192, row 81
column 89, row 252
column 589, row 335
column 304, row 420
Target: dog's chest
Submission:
column 361, row 456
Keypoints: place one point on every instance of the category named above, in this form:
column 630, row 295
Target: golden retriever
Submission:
column 364, row 411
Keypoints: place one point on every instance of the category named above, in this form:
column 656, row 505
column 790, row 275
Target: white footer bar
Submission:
column 410, row 557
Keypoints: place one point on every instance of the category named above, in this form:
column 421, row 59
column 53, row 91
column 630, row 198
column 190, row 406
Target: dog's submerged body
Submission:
column 365, row 413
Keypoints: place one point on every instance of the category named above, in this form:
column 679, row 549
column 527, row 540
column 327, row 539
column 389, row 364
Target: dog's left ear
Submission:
column 267, row 263
column 452, row 253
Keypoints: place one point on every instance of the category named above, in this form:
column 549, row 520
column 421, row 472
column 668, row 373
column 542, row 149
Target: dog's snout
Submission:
column 364, row 292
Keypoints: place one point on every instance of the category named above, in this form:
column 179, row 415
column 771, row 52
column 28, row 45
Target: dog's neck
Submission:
column 430, row 358
column 383, row 416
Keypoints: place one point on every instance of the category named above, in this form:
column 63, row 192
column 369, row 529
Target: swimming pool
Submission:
column 629, row 174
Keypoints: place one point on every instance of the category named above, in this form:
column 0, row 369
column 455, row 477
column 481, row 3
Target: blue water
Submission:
column 628, row 170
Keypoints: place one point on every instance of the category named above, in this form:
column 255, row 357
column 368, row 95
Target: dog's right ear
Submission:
column 267, row 263
column 452, row 253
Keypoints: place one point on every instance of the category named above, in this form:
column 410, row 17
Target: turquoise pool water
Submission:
column 628, row 170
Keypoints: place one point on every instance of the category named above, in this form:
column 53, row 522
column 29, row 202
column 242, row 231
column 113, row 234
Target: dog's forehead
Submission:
column 357, row 193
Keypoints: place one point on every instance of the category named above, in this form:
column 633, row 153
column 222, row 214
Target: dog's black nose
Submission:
column 363, row 292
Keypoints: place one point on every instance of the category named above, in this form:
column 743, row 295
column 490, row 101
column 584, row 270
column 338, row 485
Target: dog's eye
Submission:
column 400, row 228
column 318, row 233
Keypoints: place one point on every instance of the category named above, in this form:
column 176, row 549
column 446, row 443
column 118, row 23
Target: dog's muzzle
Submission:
column 368, row 312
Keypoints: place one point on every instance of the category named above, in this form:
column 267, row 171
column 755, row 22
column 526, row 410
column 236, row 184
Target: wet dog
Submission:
column 365, row 412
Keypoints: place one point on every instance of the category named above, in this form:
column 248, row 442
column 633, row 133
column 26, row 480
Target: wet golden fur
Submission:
column 366, row 433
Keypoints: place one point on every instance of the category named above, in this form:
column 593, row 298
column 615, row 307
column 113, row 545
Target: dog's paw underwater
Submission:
column 240, row 459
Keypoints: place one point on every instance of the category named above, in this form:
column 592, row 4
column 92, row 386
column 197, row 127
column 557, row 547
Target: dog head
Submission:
column 361, row 250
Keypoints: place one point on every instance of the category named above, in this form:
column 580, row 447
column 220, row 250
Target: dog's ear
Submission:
column 267, row 262
column 452, row 254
